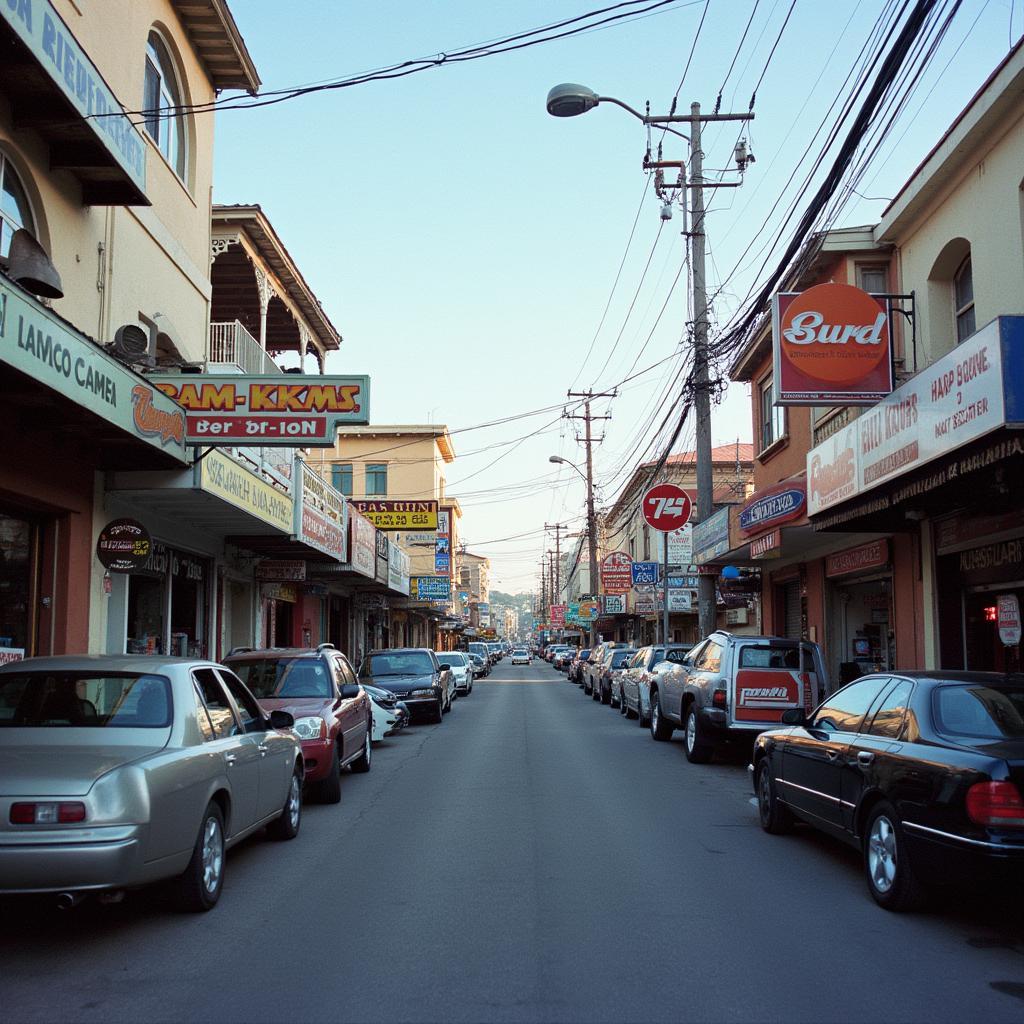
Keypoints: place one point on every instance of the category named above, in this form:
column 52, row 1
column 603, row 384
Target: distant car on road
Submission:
column 480, row 666
column 413, row 675
column 606, row 688
column 591, row 671
column 333, row 716
column 922, row 771
column 520, row 656
column 117, row 771
column 572, row 673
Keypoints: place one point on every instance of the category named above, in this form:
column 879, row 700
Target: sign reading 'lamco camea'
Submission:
column 832, row 346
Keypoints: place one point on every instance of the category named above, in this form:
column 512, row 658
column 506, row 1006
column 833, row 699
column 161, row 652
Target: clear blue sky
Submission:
column 465, row 243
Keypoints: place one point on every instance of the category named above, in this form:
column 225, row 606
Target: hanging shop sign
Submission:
column 774, row 506
column 680, row 545
column 644, row 605
column 362, row 545
column 588, row 610
column 11, row 654
column 124, row 545
column 281, row 569
column 644, row 573
column 417, row 538
column 398, row 569
column 67, row 65
column 272, row 410
column 616, row 573
column 666, row 507
column 963, row 396
column 281, row 592
column 383, row 558
column 220, row 475
column 614, row 604
column 321, row 514
column 35, row 342
column 873, row 555
column 767, row 545
column 399, row 515
column 1008, row 619
column 557, row 614
column 832, row 346
column 680, row 601
column 431, row 588
column 711, row 537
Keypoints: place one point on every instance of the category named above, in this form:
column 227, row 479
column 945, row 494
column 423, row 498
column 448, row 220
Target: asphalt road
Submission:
column 533, row 858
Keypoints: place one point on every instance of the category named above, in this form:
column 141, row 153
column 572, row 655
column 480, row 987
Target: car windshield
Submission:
column 458, row 660
column 677, row 655
column 519, row 652
column 619, row 658
column 397, row 663
column 980, row 712
column 127, row 700
column 281, row 678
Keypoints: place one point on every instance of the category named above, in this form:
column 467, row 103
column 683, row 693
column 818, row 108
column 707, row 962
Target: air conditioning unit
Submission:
column 131, row 345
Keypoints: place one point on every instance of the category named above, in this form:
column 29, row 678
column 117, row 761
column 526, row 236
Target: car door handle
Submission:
column 229, row 759
column 832, row 755
column 262, row 748
column 865, row 757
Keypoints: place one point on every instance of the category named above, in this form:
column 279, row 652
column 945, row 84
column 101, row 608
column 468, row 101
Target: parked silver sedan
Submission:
column 117, row 771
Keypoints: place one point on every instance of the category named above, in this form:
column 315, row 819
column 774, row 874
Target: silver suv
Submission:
column 732, row 686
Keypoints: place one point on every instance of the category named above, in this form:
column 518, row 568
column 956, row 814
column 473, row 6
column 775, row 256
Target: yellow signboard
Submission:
column 228, row 480
column 399, row 515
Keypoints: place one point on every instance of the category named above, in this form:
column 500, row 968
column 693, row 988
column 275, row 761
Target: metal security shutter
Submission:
column 791, row 610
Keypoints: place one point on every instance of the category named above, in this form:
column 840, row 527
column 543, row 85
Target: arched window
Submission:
column 15, row 211
column 963, row 300
column 161, row 93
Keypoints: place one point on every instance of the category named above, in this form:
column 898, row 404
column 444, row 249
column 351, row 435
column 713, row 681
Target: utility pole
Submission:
column 701, row 376
column 558, row 528
column 588, row 440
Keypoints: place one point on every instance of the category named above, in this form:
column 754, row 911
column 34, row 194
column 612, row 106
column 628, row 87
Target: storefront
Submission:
column 937, row 466
column 68, row 411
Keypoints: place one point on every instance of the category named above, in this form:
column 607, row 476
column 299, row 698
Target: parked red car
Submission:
column 332, row 712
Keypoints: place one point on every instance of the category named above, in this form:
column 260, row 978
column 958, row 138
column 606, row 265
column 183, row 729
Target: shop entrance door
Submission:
column 983, row 650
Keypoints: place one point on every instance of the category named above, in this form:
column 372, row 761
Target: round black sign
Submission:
column 124, row 545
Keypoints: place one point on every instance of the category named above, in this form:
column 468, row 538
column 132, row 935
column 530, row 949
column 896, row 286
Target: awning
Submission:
column 56, row 90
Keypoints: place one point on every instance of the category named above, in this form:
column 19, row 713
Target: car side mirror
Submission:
column 794, row 716
column 281, row 719
column 349, row 690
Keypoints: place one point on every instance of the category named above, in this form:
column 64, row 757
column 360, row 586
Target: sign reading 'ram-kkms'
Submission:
column 832, row 346
column 288, row 409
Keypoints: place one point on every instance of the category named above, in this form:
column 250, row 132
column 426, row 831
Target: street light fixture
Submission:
column 558, row 460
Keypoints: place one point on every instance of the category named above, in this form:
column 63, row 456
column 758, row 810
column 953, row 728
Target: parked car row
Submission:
column 923, row 772
column 120, row 771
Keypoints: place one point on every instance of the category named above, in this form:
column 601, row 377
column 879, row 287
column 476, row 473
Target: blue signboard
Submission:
column 682, row 582
column 770, row 509
column 645, row 573
column 431, row 588
column 442, row 562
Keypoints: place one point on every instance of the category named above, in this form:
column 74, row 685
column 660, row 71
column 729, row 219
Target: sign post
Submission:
column 666, row 508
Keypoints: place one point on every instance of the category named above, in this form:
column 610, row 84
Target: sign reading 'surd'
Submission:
column 276, row 410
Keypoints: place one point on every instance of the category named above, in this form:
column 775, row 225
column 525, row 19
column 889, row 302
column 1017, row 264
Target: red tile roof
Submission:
column 723, row 453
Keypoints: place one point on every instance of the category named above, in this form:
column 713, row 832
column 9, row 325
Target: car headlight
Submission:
column 310, row 728
column 422, row 693
column 381, row 702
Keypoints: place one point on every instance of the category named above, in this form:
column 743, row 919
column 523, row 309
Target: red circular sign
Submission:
column 666, row 507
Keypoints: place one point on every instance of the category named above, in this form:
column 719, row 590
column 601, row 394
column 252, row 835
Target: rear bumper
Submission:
column 942, row 857
column 111, row 858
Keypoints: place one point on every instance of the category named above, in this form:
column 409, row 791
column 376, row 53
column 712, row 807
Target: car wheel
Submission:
column 606, row 695
column 199, row 886
column 286, row 824
column 775, row 816
column 623, row 710
column 890, row 875
column 439, row 713
column 328, row 790
column 362, row 762
column 697, row 750
column 594, row 694
column 660, row 729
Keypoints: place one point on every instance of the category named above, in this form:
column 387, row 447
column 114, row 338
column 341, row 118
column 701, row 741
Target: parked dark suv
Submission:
column 414, row 676
column 319, row 689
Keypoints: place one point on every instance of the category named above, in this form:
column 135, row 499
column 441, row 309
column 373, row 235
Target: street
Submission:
column 535, row 857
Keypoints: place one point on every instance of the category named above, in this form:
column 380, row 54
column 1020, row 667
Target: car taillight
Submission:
column 47, row 813
column 995, row 803
column 718, row 699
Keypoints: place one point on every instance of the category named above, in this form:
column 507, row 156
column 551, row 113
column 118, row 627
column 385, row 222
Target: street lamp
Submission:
column 588, row 477
column 570, row 100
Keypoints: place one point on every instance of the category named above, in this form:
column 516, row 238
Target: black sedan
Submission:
column 922, row 771
column 414, row 676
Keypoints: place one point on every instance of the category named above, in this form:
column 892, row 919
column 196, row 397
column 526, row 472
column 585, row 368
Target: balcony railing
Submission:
column 231, row 343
